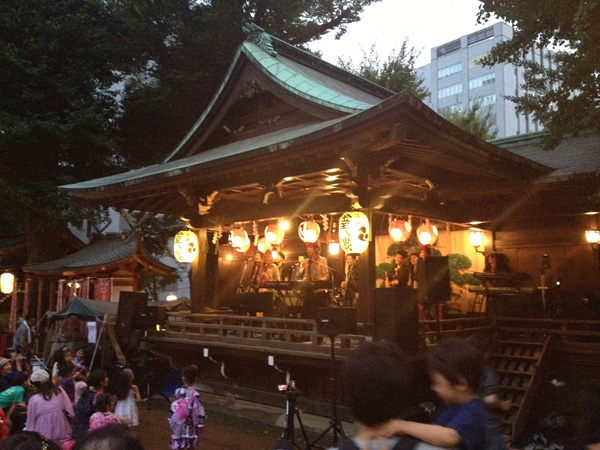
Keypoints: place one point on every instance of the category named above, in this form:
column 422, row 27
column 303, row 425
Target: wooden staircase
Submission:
column 518, row 359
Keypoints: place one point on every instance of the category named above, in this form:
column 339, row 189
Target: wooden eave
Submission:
column 408, row 150
column 106, row 254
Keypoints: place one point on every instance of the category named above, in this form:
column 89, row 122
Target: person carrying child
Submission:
column 455, row 370
column 187, row 417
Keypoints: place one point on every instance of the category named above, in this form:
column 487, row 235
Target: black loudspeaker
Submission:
column 130, row 305
column 251, row 303
column 311, row 302
column 150, row 316
column 334, row 321
column 397, row 317
column 436, row 284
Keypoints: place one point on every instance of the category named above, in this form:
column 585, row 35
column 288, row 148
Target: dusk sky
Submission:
column 426, row 23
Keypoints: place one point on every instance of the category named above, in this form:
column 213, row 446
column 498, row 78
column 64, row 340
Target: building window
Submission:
column 450, row 47
column 445, row 110
column 474, row 62
column 479, row 36
column 450, row 90
column 483, row 80
column 484, row 100
column 450, row 70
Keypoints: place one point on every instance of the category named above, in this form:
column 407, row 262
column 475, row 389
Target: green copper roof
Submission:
column 308, row 83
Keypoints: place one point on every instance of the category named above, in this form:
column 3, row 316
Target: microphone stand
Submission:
column 240, row 288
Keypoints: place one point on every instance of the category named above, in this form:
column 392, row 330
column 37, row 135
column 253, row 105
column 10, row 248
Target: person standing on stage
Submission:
column 318, row 270
column 269, row 271
column 350, row 283
column 285, row 271
column 400, row 273
column 254, row 275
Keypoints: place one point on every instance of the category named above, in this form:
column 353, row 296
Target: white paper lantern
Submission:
column 274, row 234
column 309, row 231
column 7, row 283
column 354, row 232
column 427, row 233
column 238, row 237
column 399, row 230
column 185, row 246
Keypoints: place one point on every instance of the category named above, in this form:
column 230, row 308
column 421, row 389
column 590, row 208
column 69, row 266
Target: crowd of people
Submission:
column 65, row 406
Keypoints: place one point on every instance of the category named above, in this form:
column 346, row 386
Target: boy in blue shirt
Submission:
column 455, row 370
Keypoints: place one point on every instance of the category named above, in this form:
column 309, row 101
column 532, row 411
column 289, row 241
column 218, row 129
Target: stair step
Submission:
column 516, row 372
column 505, row 356
column 517, row 342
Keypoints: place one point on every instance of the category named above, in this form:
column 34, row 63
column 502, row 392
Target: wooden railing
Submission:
column 275, row 335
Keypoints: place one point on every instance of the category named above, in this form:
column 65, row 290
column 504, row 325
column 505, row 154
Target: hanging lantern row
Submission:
column 399, row 230
column 7, row 283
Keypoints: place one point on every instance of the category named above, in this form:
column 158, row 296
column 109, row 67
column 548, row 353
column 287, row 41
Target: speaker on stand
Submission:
column 397, row 317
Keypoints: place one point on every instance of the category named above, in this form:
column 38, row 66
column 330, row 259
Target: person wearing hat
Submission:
column 50, row 409
column 5, row 369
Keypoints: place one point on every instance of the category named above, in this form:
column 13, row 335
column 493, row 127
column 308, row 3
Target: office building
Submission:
column 455, row 78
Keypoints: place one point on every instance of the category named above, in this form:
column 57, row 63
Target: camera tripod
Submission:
column 335, row 423
column 287, row 441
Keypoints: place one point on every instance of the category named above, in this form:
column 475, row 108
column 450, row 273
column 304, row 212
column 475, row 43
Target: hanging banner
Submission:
column 102, row 289
column 354, row 232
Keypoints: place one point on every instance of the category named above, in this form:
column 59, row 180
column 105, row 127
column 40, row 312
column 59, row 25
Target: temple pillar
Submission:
column 198, row 278
column 366, row 273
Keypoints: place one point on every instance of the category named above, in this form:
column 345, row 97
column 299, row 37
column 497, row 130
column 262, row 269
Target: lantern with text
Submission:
column 262, row 245
column 427, row 233
column 7, row 283
column 185, row 246
column 399, row 230
column 354, row 232
column 309, row 231
column 274, row 234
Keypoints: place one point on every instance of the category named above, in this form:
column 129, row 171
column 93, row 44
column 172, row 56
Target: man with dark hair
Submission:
column 22, row 337
column 379, row 386
column 285, row 271
column 400, row 273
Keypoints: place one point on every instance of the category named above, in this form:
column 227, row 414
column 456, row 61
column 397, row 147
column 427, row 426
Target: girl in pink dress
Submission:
column 104, row 415
column 187, row 413
column 49, row 409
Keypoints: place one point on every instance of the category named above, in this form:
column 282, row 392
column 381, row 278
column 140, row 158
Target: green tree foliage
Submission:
column 60, row 60
column 458, row 265
column 191, row 51
column 396, row 73
column 93, row 87
column 564, row 97
column 476, row 119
